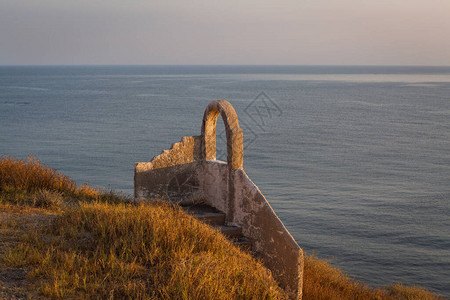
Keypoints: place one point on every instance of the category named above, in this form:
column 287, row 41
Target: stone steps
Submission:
column 230, row 231
column 205, row 213
column 216, row 219
column 244, row 243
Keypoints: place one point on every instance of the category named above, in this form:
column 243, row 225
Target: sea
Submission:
column 355, row 160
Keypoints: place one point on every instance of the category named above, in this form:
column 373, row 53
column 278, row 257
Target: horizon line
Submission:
column 215, row 65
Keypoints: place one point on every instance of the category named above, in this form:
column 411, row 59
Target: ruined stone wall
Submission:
column 172, row 174
column 270, row 238
column 213, row 179
column 188, row 172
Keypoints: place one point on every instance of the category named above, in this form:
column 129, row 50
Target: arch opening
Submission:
column 233, row 133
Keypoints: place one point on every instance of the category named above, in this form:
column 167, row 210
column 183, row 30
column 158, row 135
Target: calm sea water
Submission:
column 354, row 160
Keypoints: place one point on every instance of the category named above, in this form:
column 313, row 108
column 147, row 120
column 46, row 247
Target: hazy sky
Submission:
column 317, row 32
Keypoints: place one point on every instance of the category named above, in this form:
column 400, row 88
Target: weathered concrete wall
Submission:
column 213, row 179
column 172, row 174
column 188, row 172
column 270, row 238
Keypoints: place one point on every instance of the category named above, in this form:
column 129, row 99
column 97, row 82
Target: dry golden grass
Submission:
column 32, row 176
column 95, row 247
column 77, row 242
column 324, row 281
column 137, row 251
column 400, row 291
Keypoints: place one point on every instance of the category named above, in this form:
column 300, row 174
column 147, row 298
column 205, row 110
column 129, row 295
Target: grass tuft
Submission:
column 400, row 291
column 323, row 281
column 32, row 176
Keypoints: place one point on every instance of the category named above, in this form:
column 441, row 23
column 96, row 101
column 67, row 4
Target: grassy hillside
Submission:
column 60, row 240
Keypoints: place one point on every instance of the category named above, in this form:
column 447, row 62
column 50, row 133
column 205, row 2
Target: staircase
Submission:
column 216, row 219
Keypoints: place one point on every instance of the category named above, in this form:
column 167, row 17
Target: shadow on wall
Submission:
column 189, row 173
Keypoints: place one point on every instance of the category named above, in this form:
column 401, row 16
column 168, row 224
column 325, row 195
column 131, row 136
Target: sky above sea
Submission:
column 291, row 32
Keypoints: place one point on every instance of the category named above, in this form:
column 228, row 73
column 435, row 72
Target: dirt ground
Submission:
column 14, row 223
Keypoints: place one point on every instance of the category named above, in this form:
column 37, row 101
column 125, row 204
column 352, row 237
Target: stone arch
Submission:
column 235, row 139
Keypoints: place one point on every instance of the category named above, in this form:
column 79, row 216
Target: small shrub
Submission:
column 47, row 199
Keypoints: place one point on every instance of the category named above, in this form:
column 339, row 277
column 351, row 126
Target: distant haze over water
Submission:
column 354, row 160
